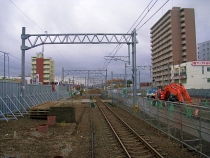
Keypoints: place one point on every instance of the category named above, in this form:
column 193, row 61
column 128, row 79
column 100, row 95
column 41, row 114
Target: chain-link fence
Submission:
column 187, row 123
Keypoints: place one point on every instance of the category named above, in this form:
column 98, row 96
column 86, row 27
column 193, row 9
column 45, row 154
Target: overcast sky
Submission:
column 87, row 16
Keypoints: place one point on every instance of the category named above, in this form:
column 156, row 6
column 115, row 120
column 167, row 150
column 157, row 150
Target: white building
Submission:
column 203, row 51
column 195, row 74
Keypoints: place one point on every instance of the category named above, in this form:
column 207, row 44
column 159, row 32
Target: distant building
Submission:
column 203, row 51
column 145, row 84
column 16, row 79
column 195, row 74
column 173, row 41
column 42, row 69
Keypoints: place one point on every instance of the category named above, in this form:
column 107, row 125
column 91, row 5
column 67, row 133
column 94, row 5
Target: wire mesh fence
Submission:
column 186, row 123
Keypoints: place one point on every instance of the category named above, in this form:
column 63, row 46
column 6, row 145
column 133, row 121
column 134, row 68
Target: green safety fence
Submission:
column 151, row 102
column 206, row 103
column 188, row 112
column 160, row 105
column 70, row 93
column 171, row 107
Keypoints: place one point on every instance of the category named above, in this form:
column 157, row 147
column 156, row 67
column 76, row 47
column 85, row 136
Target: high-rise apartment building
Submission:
column 42, row 69
column 203, row 51
column 173, row 41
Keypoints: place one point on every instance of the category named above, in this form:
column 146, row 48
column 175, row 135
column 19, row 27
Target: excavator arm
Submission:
column 174, row 88
column 177, row 90
column 185, row 94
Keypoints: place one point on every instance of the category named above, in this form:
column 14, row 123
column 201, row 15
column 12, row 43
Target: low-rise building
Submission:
column 195, row 74
column 42, row 69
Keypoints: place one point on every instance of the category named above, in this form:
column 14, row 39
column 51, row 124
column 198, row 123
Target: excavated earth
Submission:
column 20, row 138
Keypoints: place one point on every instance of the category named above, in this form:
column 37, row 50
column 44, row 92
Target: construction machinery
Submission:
column 173, row 92
column 151, row 93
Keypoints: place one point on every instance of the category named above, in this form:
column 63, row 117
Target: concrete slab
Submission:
column 87, row 101
column 105, row 101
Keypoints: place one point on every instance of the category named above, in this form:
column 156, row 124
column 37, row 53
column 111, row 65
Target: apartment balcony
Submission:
column 183, row 25
column 184, row 54
column 182, row 13
column 175, row 77
column 47, row 62
column 165, row 26
column 183, row 76
column 183, row 42
column 183, row 19
column 33, row 72
column 184, row 48
column 184, row 59
column 183, row 73
column 183, row 30
column 46, row 75
column 46, row 66
column 46, row 71
column 183, row 36
column 46, row 80
column 160, row 23
column 162, row 33
column 176, row 74
column 164, row 38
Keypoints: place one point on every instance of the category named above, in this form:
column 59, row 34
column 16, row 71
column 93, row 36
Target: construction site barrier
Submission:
column 14, row 104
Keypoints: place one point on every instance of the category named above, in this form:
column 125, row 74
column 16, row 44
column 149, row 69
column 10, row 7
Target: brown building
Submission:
column 42, row 69
column 173, row 41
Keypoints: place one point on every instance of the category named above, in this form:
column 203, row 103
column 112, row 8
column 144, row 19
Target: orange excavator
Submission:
column 173, row 92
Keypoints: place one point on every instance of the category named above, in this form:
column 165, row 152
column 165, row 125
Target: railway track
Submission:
column 129, row 143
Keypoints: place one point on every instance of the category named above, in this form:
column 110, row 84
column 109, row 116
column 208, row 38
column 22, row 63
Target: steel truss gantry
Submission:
column 35, row 40
column 122, row 58
column 139, row 68
column 124, row 76
column 87, row 72
column 30, row 41
column 121, row 75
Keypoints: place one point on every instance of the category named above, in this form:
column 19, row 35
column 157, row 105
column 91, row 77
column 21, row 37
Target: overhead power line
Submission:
column 152, row 15
column 25, row 15
column 37, row 26
column 118, row 47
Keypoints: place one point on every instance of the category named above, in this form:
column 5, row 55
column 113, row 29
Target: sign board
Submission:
column 201, row 63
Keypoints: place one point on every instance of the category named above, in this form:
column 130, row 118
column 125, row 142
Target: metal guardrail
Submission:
column 201, row 93
column 188, row 124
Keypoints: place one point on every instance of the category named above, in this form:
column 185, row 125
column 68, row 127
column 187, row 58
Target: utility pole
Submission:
column 5, row 64
column 134, row 65
column 125, row 79
column 139, row 81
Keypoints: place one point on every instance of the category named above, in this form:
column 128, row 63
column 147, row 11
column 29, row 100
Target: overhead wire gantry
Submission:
column 30, row 41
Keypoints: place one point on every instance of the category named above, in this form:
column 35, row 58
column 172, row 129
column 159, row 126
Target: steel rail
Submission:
column 150, row 148
column 116, row 135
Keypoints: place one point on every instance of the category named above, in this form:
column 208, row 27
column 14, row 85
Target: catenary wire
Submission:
column 37, row 26
column 131, row 28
